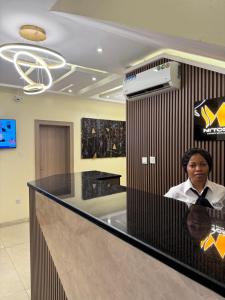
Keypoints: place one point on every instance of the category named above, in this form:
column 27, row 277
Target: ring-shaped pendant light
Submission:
column 52, row 58
column 33, row 87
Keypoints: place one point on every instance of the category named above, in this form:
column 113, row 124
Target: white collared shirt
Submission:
column 183, row 192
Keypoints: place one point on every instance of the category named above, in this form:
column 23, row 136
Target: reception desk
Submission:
column 94, row 239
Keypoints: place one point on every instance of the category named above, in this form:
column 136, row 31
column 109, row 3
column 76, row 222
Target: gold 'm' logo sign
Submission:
column 219, row 243
column 210, row 117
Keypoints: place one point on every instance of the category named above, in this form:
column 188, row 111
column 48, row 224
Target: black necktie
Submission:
column 201, row 198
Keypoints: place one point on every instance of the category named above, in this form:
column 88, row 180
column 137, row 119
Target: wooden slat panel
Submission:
column 45, row 282
column 162, row 126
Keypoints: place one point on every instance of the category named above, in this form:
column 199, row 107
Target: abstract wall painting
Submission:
column 103, row 138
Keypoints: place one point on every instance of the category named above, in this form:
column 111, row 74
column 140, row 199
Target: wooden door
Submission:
column 53, row 148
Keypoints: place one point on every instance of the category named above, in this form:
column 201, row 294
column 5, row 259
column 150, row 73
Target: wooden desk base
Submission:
column 72, row 258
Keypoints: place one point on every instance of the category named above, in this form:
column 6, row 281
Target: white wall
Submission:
column 17, row 166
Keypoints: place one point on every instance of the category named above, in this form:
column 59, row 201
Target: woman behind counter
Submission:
column 198, row 189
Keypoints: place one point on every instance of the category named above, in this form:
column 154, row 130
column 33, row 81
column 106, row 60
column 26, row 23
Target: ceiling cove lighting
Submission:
column 111, row 92
column 37, row 58
column 183, row 57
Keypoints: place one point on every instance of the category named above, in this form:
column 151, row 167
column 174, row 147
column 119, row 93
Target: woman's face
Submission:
column 197, row 168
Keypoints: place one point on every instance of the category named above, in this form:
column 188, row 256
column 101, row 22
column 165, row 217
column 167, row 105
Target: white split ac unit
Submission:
column 156, row 80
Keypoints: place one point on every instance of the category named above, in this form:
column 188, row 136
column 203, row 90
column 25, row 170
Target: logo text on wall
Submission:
column 209, row 119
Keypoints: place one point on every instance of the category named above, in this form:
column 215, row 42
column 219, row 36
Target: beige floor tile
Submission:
column 15, row 234
column 1, row 244
column 9, row 279
column 22, row 295
column 4, row 257
column 20, row 256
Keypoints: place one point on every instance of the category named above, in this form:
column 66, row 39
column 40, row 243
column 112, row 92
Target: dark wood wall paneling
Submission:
column 162, row 126
column 45, row 281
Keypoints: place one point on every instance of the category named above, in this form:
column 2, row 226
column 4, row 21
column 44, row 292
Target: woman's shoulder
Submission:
column 217, row 186
column 175, row 189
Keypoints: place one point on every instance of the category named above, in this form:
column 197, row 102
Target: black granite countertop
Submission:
column 92, row 184
column 189, row 239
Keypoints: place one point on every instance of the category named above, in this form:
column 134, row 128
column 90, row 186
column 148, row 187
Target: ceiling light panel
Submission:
column 80, row 79
column 57, row 73
column 9, row 76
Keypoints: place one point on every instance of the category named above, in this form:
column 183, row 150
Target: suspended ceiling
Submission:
column 126, row 31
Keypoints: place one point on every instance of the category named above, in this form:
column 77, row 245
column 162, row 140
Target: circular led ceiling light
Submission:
column 33, row 87
column 35, row 57
column 53, row 59
column 32, row 33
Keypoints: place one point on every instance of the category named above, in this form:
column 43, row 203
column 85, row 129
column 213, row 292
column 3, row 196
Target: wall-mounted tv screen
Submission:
column 7, row 133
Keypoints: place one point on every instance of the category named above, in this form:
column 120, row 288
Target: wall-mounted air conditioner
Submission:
column 156, row 80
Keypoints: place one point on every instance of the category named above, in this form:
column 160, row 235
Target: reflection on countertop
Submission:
column 117, row 219
column 92, row 184
column 97, row 184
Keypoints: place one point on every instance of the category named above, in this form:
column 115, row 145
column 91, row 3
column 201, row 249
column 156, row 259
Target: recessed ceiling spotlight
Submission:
column 94, row 78
column 99, row 50
column 70, row 91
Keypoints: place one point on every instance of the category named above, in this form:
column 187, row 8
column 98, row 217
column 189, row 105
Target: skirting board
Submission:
column 15, row 222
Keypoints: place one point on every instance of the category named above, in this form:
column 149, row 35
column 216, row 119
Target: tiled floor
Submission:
column 14, row 262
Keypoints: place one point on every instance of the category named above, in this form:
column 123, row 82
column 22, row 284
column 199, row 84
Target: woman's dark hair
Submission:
column 188, row 154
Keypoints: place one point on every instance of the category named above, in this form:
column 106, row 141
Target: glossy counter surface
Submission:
column 191, row 240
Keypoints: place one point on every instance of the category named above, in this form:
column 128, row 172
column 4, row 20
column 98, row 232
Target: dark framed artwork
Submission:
column 102, row 138
column 209, row 119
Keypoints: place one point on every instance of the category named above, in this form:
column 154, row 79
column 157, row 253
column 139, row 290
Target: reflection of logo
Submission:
column 210, row 117
column 218, row 242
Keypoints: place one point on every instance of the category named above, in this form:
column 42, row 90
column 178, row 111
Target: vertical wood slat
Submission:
column 163, row 124
column 45, row 282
